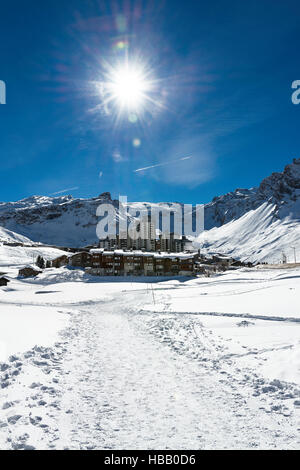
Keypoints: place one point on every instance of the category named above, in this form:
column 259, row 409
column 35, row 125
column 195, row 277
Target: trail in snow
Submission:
column 124, row 389
column 233, row 315
column 119, row 380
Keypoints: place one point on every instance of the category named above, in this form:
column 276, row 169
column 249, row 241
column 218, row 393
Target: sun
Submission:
column 128, row 87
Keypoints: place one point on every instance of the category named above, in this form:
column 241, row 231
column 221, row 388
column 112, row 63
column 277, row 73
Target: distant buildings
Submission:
column 174, row 243
column 60, row 261
column 142, row 253
column 29, row 271
column 4, row 281
column 147, row 240
column 120, row 262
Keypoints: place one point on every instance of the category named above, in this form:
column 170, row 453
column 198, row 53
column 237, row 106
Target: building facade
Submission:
column 146, row 239
column 139, row 263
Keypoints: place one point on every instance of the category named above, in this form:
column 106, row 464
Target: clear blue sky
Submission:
column 223, row 72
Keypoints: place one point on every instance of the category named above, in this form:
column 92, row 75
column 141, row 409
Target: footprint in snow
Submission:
column 14, row 419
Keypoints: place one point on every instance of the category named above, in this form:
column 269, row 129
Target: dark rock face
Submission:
column 106, row 195
column 277, row 185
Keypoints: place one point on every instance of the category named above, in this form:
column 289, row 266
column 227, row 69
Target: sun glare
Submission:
column 130, row 90
column 128, row 87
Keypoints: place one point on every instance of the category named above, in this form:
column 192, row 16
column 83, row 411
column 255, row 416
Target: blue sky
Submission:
column 222, row 72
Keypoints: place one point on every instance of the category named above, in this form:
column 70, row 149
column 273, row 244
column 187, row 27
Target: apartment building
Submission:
column 139, row 263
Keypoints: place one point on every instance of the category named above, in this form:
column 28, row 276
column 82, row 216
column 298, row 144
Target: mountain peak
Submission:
column 105, row 195
column 280, row 186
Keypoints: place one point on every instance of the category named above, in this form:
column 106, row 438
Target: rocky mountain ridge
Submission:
column 68, row 221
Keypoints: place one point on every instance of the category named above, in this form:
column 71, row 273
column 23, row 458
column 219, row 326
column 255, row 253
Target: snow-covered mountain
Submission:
column 280, row 189
column 61, row 221
column 255, row 224
column 258, row 235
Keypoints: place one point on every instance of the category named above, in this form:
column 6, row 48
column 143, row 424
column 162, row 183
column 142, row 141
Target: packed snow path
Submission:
column 116, row 383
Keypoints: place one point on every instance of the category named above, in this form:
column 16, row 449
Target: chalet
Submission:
column 222, row 260
column 29, row 271
column 4, row 281
column 60, row 261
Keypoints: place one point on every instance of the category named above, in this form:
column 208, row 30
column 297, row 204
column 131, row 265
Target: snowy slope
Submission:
column 9, row 236
column 161, row 368
column 23, row 327
column 13, row 258
column 259, row 224
column 258, row 235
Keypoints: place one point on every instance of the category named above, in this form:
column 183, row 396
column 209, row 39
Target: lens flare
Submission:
column 136, row 142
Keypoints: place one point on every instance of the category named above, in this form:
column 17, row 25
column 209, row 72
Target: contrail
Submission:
column 161, row 164
column 64, row 191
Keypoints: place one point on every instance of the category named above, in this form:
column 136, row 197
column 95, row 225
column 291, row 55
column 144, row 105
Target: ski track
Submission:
column 250, row 316
column 122, row 378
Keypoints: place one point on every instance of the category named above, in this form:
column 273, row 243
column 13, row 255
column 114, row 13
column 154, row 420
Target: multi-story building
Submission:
column 143, row 263
column 149, row 264
column 148, row 233
column 172, row 243
column 81, row 259
column 133, row 264
column 109, row 243
column 139, row 263
column 145, row 240
column 123, row 241
column 119, row 262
